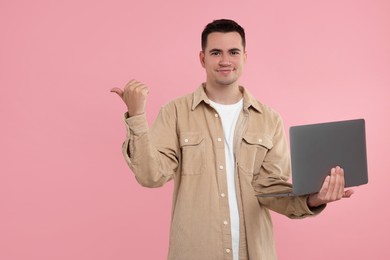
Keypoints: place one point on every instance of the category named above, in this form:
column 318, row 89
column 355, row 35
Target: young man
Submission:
column 222, row 147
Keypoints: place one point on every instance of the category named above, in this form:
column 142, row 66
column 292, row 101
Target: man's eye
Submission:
column 235, row 53
column 215, row 53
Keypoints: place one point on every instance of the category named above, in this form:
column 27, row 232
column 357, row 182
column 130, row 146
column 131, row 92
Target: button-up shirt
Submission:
column 184, row 144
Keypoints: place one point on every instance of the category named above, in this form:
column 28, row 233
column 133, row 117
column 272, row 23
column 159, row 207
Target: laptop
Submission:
column 317, row 148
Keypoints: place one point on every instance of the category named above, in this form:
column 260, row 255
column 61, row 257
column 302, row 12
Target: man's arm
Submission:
column 150, row 153
column 273, row 177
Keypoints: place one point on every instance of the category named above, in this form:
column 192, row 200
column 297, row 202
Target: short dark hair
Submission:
column 223, row 26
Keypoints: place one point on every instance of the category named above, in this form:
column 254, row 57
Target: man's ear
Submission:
column 201, row 58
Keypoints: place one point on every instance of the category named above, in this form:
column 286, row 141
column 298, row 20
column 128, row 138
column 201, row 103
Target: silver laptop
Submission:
column 317, row 148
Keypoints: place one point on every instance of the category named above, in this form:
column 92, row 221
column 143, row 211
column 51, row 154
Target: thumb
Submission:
column 118, row 91
column 348, row 193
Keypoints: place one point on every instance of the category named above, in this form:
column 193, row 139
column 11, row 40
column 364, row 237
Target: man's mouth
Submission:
column 225, row 70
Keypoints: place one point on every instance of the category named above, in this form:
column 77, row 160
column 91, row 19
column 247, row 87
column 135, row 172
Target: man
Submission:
column 222, row 147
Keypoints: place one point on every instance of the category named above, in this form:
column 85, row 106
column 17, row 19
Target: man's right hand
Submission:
column 134, row 95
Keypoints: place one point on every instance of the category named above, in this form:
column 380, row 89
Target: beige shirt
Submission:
column 186, row 144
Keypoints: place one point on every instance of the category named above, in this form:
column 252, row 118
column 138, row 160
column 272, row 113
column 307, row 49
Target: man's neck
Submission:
column 224, row 94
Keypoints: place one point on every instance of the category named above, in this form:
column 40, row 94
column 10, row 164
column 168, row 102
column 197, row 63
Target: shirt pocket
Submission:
column 253, row 150
column 193, row 153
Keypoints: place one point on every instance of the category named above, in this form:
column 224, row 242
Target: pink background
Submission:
column 65, row 190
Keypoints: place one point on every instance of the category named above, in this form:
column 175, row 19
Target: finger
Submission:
column 339, row 184
column 348, row 193
column 145, row 90
column 324, row 188
column 136, row 87
column 336, row 179
column 141, row 89
column 337, row 192
column 132, row 84
column 332, row 184
column 342, row 184
column 117, row 91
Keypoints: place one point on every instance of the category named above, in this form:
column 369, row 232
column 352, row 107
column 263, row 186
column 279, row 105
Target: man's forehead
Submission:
column 224, row 41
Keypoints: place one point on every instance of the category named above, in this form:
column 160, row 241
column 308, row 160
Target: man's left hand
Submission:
column 332, row 189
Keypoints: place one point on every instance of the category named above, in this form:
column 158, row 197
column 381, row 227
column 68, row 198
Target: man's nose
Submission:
column 224, row 61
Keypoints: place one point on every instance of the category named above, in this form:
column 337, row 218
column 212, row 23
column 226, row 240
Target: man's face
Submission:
column 223, row 58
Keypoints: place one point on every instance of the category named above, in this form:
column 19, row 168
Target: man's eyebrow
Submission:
column 215, row 50
column 219, row 50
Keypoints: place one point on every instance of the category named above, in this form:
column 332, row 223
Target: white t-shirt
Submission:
column 229, row 116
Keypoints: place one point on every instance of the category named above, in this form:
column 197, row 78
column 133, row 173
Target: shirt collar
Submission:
column 248, row 100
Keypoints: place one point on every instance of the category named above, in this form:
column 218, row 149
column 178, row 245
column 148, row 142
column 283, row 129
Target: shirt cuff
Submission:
column 136, row 124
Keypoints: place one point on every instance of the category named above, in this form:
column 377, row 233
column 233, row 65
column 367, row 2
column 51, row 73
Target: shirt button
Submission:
column 225, row 222
column 227, row 250
column 223, row 195
column 216, row 115
column 219, row 139
column 260, row 140
column 221, row 167
column 186, row 140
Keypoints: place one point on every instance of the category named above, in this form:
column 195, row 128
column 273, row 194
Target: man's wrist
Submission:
column 312, row 202
column 309, row 202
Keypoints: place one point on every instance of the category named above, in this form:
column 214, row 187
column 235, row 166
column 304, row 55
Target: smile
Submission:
column 225, row 71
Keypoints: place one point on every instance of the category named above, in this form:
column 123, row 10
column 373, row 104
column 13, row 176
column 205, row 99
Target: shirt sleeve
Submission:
column 273, row 178
column 151, row 153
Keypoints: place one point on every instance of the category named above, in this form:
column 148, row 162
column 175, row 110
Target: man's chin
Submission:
column 226, row 82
